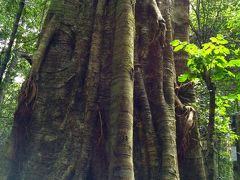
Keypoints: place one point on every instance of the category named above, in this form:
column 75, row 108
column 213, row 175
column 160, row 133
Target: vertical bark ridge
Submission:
column 167, row 123
column 100, row 161
column 140, row 156
column 91, row 89
column 153, row 73
column 168, row 61
column 148, row 130
column 72, row 124
column 121, row 117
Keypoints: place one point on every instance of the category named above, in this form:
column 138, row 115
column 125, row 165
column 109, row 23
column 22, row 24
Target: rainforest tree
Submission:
column 100, row 100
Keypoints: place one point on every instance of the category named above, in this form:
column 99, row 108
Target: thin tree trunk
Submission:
column 211, row 154
column 7, row 78
column 7, row 57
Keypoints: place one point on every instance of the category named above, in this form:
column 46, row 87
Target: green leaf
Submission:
column 231, row 96
column 183, row 77
column 226, row 50
column 219, row 39
column 237, row 77
column 235, row 62
column 213, row 39
column 231, row 74
column 216, row 51
column 208, row 51
column 175, row 43
column 184, row 43
column 220, row 36
column 178, row 48
column 192, row 49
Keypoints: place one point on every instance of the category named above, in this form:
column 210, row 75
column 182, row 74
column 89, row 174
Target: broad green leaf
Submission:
column 192, row 49
column 226, row 50
column 221, row 60
column 175, row 43
column 213, row 39
column 178, row 48
column 220, row 36
column 216, row 51
column 183, row 77
column 219, row 39
column 208, row 51
column 233, row 63
column 184, row 43
column 231, row 96
column 224, row 41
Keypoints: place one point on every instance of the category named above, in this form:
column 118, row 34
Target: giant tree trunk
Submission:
column 99, row 102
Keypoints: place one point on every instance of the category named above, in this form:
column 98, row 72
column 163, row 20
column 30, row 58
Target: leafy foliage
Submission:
column 216, row 61
column 209, row 18
column 25, row 43
column 211, row 58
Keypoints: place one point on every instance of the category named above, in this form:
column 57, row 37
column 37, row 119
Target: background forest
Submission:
column 214, row 61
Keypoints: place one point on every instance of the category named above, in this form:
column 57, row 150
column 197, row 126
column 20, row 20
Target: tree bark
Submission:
column 236, row 166
column 211, row 154
column 99, row 102
column 190, row 159
column 121, row 108
column 211, row 163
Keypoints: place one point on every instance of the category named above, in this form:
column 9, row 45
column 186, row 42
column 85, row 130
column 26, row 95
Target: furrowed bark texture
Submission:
column 99, row 102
